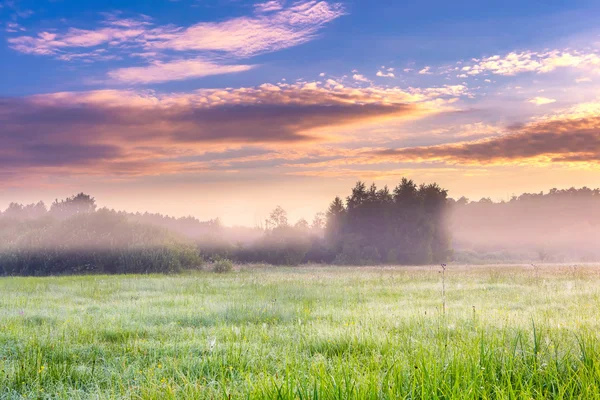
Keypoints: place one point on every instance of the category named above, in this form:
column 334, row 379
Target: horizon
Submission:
column 292, row 216
column 222, row 109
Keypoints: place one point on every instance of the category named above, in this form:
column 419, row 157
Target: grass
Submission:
column 305, row 333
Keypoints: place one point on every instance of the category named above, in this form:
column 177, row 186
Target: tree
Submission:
column 406, row 226
column 319, row 221
column 302, row 225
column 335, row 222
column 29, row 211
column 78, row 204
column 278, row 218
column 14, row 211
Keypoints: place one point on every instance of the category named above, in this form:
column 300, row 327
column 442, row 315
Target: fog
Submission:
column 410, row 225
column 560, row 225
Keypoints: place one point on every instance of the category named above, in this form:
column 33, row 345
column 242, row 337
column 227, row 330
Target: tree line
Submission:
column 409, row 224
column 558, row 225
column 371, row 226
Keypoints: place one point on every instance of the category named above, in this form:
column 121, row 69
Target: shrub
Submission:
column 222, row 265
column 99, row 242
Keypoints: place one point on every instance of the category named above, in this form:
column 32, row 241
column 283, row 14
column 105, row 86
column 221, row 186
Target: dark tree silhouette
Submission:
column 78, row 204
column 408, row 226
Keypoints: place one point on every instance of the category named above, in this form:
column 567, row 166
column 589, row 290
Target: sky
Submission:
column 228, row 108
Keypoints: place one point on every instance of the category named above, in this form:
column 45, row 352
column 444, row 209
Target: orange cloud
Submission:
column 541, row 101
column 375, row 174
column 127, row 132
column 564, row 140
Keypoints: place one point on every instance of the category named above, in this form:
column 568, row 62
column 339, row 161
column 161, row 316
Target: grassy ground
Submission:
column 305, row 333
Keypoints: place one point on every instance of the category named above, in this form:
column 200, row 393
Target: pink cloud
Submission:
column 174, row 70
column 131, row 133
column 248, row 36
column 269, row 6
column 240, row 37
column 47, row 43
column 212, row 44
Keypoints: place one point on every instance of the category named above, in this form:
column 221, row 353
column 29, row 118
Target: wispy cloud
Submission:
column 53, row 44
column 15, row 11
column 173, row 71
column 249, row 36
column 13, row 27
column 269, row 6
column 207, row 48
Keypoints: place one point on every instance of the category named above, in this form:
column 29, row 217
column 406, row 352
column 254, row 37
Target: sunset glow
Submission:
column 227, row 109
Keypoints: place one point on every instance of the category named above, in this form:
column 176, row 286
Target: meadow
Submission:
column 312, row 332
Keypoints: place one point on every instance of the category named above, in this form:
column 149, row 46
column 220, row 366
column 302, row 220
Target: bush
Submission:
column 99, row 242
column 222, row 265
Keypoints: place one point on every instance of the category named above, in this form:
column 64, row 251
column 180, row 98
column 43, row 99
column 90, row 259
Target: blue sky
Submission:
column 273, row 95
column 370, row 33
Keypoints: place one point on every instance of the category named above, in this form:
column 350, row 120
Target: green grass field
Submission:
column 305, row 333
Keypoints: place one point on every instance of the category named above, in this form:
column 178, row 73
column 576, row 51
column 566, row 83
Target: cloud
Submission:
column 540, row 101
column 425, row 71
column 16, row 12
column 360, row 78
column 545, row 142
column 269, row 6
column 386, row 74
column 52, row 44
column 88, row 57
column 249, row 36
column 129, row 132
column 65, row 154
column 208, row 48
column 13, row 27
column 537, row 62
column 378, row 174
column 115, row 19
column 173, row 71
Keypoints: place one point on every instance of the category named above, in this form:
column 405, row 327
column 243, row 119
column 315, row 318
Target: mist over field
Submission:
column 558, row 225
column 411, row 224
